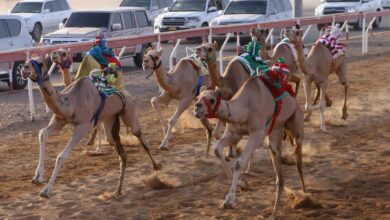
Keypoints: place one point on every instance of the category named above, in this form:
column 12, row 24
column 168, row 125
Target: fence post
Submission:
column 10, row 78
column 363, row 33
column 30, row 93
column 158, row 42
column 172, row 57
column 238, row 45
column 220, row 54
column 210, row 37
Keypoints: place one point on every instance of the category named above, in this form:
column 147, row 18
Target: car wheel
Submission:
column 320, row 26
column 358, row 25
column 139, row 57
column 37, row 32
column 377, row 22
column 17, row 81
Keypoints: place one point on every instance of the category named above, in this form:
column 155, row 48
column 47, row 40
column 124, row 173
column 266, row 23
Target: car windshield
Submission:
column 342, row 0
column 88, row 19
column 246, row 7
column 27, row 7
column 136, row 3
column 188, row 5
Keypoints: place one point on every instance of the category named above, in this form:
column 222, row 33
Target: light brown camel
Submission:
column 247, row 113
column 63, row 59
column 180, row 83
column 317, row 68
column 78, row 105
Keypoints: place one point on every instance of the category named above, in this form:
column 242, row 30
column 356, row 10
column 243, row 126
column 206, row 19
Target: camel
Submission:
column 318, row 65
column 79, row 104
column 63, row 59
column 181, row 83
column 247, row 113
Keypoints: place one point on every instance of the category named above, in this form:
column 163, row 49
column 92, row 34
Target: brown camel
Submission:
column 79, row 104
column 317, row 67
column 180, row 83
column 247, row 113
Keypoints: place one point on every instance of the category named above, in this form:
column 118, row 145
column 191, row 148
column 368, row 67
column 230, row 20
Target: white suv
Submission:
column 42, row 16
column 187, row 14
column 340, row 6
column 13, row 35
column 152, row 7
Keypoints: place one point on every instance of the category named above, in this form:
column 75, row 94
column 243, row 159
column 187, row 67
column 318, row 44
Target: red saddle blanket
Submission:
column 279, row 88
column 335, row 47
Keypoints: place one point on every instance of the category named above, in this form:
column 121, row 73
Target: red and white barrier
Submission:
column 19, row 55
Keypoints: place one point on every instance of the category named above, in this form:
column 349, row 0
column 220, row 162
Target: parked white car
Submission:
column 187, row 14
column 340, row 6
column 13, row 36
column 114, row 22
column 42, row 16
column 152, row 7
column 386, row 4
column 249, row 11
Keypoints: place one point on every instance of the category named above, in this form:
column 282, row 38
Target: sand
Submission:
column 347, row 171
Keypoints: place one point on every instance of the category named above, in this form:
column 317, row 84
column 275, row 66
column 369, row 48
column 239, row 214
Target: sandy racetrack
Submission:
column 347, row 171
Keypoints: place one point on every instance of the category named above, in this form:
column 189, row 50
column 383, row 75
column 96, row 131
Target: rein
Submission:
column 154, row 66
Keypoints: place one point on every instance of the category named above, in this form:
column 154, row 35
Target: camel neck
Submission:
column 224, row 112
column 302, row 61
column 162, row 79
column 54, row 100
column 214, row 74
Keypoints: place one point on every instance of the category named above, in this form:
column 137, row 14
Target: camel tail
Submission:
column 115, row 131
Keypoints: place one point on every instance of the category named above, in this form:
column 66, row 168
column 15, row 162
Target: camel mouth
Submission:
column 199, row 114
column 25, row 73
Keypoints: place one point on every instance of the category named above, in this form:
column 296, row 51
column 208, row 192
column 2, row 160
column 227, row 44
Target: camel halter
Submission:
column 154, row 66
column 40, row 78
column 211, row 111
column 65, row 63
column 208, row 58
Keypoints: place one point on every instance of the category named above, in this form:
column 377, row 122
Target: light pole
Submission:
column 297, row 8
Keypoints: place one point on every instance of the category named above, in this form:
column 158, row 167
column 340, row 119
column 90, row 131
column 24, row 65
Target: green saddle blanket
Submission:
column 252, row 65
column 102, row 85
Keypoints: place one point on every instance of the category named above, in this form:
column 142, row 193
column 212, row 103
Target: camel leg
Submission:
column 78, row 134
column 209, row 130
column 307, row 88
column 275, row 143
column 91, row 140
column 227, row 139
column 254, row 139
column 295, row 127
column 327, row 99
column 218, row 131
column 323, row 86
column 55, row 125
column 295, row 79
column 156, row 102
column 342, row 75
column 121, row 153
column 181, row 107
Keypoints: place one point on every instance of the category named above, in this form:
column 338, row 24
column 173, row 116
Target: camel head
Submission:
column 294, row 34
column 152, row 59
column 61, row 57
column 207, row 52
column 36, row 69
column 259, row 34
column 207, row 103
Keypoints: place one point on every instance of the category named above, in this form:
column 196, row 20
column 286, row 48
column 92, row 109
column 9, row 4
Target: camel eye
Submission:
column 210, row 49
column 212, row 101
column 63, row 54
column 155, row 57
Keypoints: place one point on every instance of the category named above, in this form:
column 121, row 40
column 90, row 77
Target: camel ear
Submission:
column 215, row 45
column 160, row 52
column 202, row 89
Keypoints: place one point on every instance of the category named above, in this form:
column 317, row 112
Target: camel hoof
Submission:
column 117, row 195
column 90, row 142
column 307, row 119
column 329, row 103
column 243, row 185
column 44, row 194
column 164, row 147
column 36, row 180
column 325, row 131
column 345, row 116
column 229, row 201
column 157, row 167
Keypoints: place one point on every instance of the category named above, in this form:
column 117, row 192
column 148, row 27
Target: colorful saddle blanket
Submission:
column 102, row 85
column 335, row 47
column 279, row 88
column 200, row 66
column 251, row 65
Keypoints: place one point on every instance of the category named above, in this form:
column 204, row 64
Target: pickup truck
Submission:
column 341, row 6
column 116, row 22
